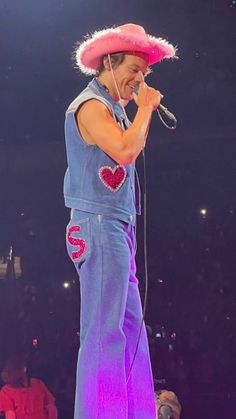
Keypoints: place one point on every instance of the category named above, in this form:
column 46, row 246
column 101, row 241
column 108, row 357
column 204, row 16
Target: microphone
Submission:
column 165, row 412
column 161, row 110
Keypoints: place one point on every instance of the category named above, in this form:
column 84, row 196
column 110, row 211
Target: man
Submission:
column 99, row 186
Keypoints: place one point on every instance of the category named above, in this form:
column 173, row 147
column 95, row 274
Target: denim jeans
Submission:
column 103, row 251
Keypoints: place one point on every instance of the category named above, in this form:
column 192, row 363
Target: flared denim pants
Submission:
column 103, row 251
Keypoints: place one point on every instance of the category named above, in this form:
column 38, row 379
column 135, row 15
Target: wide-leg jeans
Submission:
column 103, row 251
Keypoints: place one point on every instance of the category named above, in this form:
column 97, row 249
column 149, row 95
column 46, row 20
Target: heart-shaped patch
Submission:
column 114, row 178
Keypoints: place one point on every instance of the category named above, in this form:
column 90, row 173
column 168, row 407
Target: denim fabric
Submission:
column 83, row 187
column 103, row 251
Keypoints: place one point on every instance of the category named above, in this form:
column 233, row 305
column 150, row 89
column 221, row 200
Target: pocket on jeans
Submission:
column 78, row 239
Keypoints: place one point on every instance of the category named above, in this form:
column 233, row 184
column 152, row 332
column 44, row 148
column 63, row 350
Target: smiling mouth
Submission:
column 131, row 88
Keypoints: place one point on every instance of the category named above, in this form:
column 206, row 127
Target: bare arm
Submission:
column 52, row 411
column 103, row 130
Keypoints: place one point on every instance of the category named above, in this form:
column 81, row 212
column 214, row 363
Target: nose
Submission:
column 139, row 77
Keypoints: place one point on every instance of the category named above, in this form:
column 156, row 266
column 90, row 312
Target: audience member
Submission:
column 23, row 397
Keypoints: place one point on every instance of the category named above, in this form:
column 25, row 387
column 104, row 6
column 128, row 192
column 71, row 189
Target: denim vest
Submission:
column 94, row 182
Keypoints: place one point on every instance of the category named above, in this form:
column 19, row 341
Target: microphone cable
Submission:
column 145, row 263
column 162, row 109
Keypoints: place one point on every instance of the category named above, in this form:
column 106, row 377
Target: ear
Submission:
column 106, row 63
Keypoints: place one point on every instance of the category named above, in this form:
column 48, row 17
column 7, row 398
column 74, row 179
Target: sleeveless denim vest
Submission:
column 94, row 182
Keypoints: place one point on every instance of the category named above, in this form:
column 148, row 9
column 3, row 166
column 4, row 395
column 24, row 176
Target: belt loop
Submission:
column 131, row 219
column 99, row 218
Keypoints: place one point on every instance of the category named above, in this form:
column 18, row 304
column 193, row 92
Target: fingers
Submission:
column 150, row 90
column 142, row 85
column 141, row 76
column 147, row 95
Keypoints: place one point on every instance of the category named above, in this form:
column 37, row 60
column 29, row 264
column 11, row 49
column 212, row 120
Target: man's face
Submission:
column 130, row 73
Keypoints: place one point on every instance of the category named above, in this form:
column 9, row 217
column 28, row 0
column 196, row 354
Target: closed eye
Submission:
column 145, row 73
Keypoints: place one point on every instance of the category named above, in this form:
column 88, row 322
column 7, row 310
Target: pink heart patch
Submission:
column 113, row 179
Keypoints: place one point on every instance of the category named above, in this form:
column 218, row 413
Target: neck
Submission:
column 108, row 85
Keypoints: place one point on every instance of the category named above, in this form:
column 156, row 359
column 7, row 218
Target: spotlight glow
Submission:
column 203, row 212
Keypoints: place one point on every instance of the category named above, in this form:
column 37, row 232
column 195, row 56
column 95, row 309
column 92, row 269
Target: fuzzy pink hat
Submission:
column 125, row 38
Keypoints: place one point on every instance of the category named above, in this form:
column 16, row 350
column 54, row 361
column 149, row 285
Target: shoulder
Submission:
column 93, row 105
column 87, row 95
column 6, row 389
column 35, row 382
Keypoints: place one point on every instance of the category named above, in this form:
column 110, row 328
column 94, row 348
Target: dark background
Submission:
column 192, row 256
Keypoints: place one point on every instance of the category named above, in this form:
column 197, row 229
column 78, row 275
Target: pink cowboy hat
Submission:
column 125, row 38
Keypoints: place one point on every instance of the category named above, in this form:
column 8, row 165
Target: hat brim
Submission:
column 108, row 41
